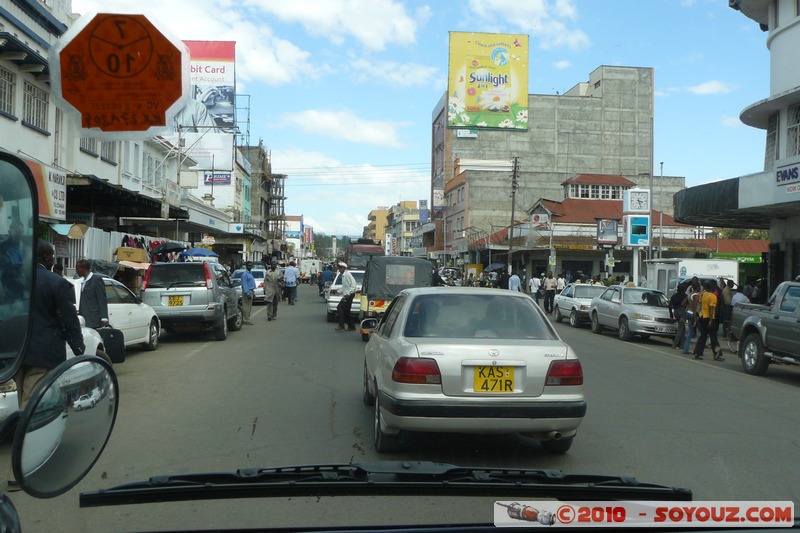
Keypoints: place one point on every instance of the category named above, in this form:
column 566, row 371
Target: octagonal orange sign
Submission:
column 121, row 73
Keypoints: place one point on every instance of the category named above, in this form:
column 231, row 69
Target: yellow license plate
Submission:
column 175, row 300
column 494, row 379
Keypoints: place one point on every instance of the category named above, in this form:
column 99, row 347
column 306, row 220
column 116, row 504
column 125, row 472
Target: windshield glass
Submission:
column 532, row 153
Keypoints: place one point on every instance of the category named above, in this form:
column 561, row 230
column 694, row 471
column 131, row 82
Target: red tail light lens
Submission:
column 146, row 277
column 261, row 285
column 564, row 373
column 209, row 279
column 424, row 371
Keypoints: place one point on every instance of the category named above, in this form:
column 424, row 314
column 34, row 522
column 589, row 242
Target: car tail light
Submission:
column 147, row 277
column 564, row 373
column 416, row 370
column 333, row 292
column 261, row 285
column 209, row 279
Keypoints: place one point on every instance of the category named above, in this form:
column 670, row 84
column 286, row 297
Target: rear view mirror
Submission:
column 18, row 216
column 65, row 427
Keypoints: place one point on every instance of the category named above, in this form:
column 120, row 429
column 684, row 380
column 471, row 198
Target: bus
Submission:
column 359, row 252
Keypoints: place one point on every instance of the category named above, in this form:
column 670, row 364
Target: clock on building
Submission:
column 636, row 201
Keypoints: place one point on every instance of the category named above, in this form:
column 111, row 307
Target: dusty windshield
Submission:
column 550, row 149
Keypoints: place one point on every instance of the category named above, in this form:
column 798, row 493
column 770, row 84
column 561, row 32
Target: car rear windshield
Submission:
column 177, row 274
column 588, row 291
column 454, row 316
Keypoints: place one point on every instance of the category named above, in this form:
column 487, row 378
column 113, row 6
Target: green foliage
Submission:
column 739, row 233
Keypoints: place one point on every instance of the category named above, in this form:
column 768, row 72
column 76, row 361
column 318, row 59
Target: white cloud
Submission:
column 711, row 87
column 563, row 64
column 374, row 23
column 731, row 122
column 346, row 126
column 408, row 75
column 544, row 20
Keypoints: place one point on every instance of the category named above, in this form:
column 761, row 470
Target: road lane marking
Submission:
column 197, row 350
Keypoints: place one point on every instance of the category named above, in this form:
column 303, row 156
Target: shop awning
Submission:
column 73, row 231
column 89, row 194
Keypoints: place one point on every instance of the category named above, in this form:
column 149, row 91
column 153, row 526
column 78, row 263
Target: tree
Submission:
column 740, row 233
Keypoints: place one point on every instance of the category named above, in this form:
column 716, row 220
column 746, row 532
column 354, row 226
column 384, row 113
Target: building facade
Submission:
column 401, row 221
column 376, row 229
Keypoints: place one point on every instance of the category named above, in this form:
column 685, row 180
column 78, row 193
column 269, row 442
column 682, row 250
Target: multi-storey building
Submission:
column 376, row 229
column 401, row 221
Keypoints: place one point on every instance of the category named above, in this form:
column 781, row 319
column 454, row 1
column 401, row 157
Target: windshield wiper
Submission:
column 386, row 478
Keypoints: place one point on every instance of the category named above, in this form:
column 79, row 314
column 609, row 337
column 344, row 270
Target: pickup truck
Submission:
column 769, row 333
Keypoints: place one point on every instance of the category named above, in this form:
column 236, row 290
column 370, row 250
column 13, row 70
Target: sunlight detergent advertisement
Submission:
column 488, row 81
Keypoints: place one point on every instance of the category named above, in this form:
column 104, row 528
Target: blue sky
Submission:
column 342, row 91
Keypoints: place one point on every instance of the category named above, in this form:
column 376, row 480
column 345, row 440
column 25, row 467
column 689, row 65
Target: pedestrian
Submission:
column 550, row 284
column 502, row 283
column 690, row 303
column 326, row 277
column 348, row 291
column 11, row 263
column 533, row 287
column 273, row 289
column 248, row 292
column 436, row 279
column 727, row 306
column 713, row 326
column 291, row 278
column 471, row 280
column 54, row 320
column 93, row 305
column 58, row 269
column 704, row 315
column 482, row 279
column 739, row 298
column 677, row 311
column 514, row 283
column 561, row 283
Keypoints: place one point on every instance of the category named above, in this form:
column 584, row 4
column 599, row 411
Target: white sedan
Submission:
column 471, row 360
column 137, row 320
column 575, row 301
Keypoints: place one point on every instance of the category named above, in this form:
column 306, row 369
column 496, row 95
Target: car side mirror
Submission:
column 19, row 216
column 57, row 441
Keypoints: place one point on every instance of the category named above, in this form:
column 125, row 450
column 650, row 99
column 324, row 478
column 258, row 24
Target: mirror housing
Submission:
column 369, row 324
column 65, row 426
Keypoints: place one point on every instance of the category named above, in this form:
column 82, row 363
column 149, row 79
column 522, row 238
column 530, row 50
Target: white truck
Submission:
column 665, row 274
column 309, row 267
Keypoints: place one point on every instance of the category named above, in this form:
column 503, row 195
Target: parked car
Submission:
column 84, row 402
column 769, row 333
column 138, row 321
column 468, row 360
column 632, row 311
column 334, row 296
column 190, row 296
column 574, row 302
column 8, row 390
column 258, row 276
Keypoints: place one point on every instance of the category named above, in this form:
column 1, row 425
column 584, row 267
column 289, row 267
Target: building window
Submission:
column 584, row 191
column 108, row 151
column 595, row 191
column 8, row 82
column 573, row 191
column 605, row 192
column 616, row 194
column 89, row 144
column 136, row 160
column 34, row 110
column 792, row 131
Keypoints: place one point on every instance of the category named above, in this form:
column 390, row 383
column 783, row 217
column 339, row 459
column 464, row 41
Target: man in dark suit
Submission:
column 93, row 304
column 54, row 320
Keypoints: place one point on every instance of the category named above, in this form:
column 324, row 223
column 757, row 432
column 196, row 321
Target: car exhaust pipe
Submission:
column 554, row 435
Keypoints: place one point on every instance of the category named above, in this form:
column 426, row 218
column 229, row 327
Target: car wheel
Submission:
column 152, row 336
column 384, row 442
column 561, row 445
column 596, row 327
column 367, row 396
column 574, row 321
column 235, row 323
column 751, row 351
column 221, row 329
column 624, row 331
column 558, row 316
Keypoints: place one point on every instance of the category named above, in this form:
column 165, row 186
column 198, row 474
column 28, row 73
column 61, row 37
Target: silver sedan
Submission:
column 574, row 302
column 471, row 360
column 633, row 311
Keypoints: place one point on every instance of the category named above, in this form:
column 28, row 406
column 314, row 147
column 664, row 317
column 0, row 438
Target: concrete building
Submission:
column 401, row 221
column 769, row 199
column 601, row 126
column 376, row 229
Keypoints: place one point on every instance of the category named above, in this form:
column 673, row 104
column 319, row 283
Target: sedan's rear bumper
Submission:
column 472, row 416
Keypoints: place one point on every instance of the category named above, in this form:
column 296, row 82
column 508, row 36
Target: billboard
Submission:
column 488, row 81
column 607, row 232
column 206, row 126
column 423, row 211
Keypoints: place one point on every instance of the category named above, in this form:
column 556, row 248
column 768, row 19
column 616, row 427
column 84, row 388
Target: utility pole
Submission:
column 514, row 186
column 661, row 213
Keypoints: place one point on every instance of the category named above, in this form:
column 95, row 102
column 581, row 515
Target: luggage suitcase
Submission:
column 114, row 343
